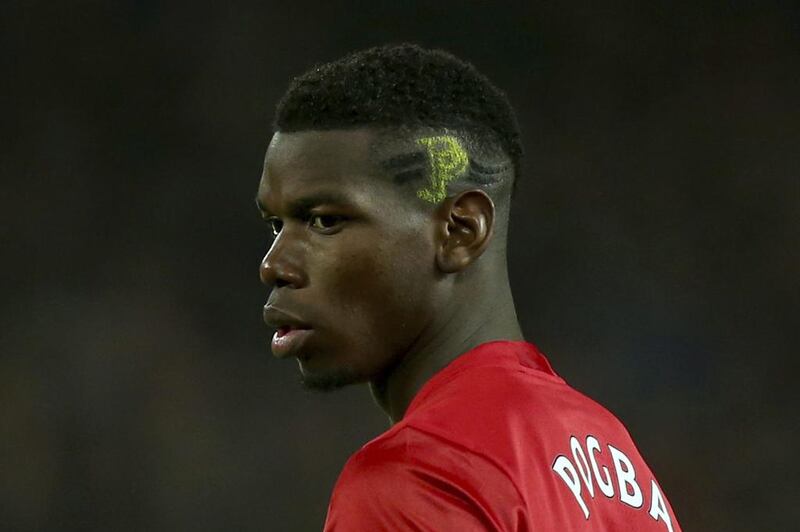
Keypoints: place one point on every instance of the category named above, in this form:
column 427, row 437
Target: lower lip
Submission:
column 285, row 344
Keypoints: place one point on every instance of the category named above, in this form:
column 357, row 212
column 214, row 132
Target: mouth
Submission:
column 283, row 330
column 290, row 330
column 288, row 340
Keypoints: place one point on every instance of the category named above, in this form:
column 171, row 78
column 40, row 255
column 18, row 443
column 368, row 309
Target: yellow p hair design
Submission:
column 448, row 160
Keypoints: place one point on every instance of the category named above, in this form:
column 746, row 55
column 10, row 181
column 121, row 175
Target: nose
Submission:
column 279, row 269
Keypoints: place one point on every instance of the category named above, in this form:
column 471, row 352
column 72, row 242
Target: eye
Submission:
column 327, row 221
column 275, row 224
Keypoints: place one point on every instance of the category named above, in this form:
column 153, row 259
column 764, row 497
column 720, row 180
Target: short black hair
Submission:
column 403, row 86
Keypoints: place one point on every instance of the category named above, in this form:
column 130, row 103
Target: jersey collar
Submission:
column 505, row 353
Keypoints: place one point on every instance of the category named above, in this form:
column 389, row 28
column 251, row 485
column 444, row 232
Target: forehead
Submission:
column 315, row 160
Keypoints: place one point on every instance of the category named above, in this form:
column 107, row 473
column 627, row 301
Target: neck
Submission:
column 464, row 329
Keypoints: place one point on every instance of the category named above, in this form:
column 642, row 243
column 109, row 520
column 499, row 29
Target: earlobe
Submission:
column 467, row 226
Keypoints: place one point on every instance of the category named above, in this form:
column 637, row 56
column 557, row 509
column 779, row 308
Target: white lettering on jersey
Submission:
column 585, row 470
column 626, row 477
column 592, row 445
column 582, row 464
column 658, row 510
column 567, row 472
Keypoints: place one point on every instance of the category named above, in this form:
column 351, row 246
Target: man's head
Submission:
column 413, row 155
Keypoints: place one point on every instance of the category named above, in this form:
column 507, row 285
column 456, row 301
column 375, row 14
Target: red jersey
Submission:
column 497, row 441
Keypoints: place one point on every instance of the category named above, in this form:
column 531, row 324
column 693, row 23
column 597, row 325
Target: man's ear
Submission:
column 465, row 228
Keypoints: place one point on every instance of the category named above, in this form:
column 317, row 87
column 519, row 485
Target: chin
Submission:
column 328, row 381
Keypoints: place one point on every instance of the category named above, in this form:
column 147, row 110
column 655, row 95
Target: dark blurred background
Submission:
column 653, row 251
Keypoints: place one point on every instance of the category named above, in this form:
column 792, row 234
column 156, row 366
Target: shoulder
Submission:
column 426, row 459
column 481, row 407
column 407, row 474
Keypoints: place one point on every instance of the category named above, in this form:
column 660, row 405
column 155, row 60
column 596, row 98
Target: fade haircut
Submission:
column 459, row 121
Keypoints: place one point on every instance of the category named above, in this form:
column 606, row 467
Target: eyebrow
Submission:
column 301, row 206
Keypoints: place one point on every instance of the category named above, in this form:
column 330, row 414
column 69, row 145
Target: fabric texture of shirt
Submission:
column 496, row 441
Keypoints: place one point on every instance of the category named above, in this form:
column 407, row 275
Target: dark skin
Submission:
column 394, row 288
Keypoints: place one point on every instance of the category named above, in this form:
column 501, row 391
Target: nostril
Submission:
column 280, row 283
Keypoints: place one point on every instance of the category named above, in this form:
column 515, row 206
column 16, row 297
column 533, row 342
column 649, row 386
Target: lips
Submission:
column 279, row 319
column 290, row 332
column 283, row 330
column 289, row 342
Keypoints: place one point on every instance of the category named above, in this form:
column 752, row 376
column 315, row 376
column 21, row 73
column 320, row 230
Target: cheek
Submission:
column 382, row 290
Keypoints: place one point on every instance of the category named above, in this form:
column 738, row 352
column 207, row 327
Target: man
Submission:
column 387, row 186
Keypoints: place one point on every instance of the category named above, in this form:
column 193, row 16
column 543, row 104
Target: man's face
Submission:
column 360, row 271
